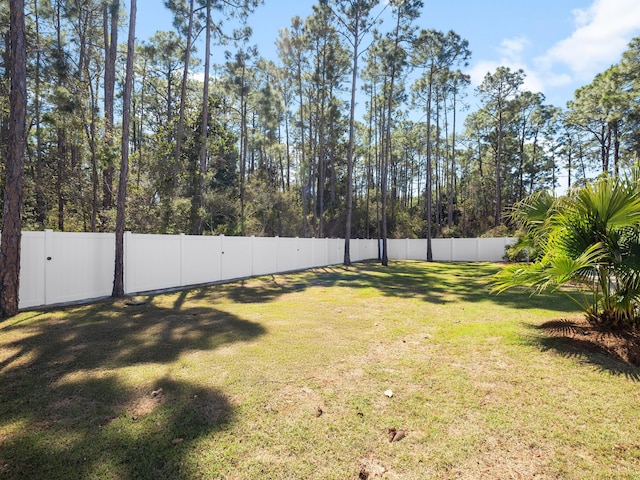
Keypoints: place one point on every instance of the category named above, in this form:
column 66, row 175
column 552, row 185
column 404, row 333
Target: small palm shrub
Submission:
column 585, row 245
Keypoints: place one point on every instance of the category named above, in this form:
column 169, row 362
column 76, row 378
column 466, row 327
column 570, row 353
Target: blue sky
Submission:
column 560, row 44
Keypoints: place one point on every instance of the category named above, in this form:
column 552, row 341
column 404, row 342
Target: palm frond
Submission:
column 533, row 211
column 588, row 239
column 550, row 274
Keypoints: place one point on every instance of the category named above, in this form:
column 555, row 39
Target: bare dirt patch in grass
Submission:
column 144, row 404
column 505, row 459
column 578, row 334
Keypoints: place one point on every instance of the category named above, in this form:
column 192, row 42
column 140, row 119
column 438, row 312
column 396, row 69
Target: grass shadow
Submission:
column 432, row 282
column 614, row 352
column 102, row 428
column 437, row 283
column 64, row 381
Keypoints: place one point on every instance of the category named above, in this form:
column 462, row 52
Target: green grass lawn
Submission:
column 284, row 378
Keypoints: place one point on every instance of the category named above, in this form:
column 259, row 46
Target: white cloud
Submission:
column 513, row 47
column 511, row 50
column 480, row 69
column 582, row 17
column 199, row 76
column 196, row 76
column 601, row 35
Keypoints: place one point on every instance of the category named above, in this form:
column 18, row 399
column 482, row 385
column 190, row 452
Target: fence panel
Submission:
column 152, row 262
column 441, row 249
column 450, row 249
column 200, row 259
column 287, row 254
column 464, row 250
column 336, row 251
column 320, row 254
column 367, row 249
column 354, row 250
column 417, row 249
column 493, row 249
column 236, row 257
column 397, row 248
column 32, row 270
column 357, row 247
column 305, row 253
column 79, row 266
column 265, row 255
column 372, row 250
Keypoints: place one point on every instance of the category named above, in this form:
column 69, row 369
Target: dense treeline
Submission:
column 277, row 147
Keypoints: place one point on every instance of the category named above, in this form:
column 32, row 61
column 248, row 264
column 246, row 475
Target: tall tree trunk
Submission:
column 90, row 131
column 616, row 149
column 201, row 171
column 321, row 158
column 60, row 131
column 110, row 24
column 61, row 175
column 140, row 148
column 498, row 210
column 387, row 150
column 386, row 159
column 428, row 179
column 118, row 278
column 10, row 241
column 302, row 144
column 5, row 55
column 369, row 174
column 288, row 151
column 453, row 182
column 171, row 182
column 244, row 143
column 521, row 159
column 437, row 164
column 569, row 163
column 352, row 128
column 41, row 208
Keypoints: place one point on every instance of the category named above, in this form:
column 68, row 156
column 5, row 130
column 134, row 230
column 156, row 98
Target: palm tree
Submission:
column 588, row 247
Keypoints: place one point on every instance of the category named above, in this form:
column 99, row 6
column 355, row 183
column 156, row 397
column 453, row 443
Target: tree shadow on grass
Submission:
column 440, row 283
column 74, row 434
column 436, row 283
column 615, row 352
column 69, row 410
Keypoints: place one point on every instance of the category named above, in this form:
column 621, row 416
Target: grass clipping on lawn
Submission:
column 314, row 375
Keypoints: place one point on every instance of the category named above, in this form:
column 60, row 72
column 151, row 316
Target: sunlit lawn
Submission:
column 284, row 378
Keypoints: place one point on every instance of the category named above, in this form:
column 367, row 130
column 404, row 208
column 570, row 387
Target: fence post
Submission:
column 128, row 270
column 48, row 254
column 253, row 255
column 222, row 270
column 181, row 256
column 219, row 264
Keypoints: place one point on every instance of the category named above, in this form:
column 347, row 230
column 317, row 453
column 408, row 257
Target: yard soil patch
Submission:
column 581, row 335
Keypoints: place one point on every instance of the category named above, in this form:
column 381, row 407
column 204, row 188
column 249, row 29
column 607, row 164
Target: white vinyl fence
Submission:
column 61, row 267
column 451, row 249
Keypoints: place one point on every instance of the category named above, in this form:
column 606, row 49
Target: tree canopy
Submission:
column 354, row 130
